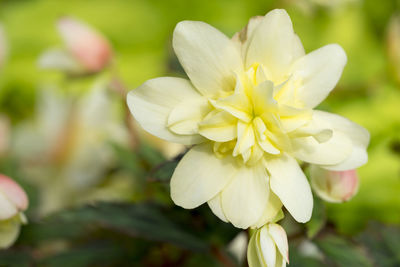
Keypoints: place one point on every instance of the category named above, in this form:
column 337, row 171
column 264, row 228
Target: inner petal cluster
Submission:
column 248, row 122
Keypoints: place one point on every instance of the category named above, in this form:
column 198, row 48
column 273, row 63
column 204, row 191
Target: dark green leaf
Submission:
column 342, row 253
column 382, row 243
column 11, row 258
column 135, row 220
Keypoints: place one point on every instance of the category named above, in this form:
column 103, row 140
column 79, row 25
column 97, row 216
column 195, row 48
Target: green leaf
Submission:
column 342, row 253
column 12, row 258
column 382, row 243
column 164, row 171
column 144, row 221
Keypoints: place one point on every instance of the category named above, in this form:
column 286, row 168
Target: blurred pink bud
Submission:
column 13, row 198
column 334, row 186
column 88, row 46
column 3, row 46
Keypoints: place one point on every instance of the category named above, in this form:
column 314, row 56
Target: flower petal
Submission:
column 153, row 101
column 245, row 197
column 267, row 247
column 336, row 147
column 185, row 117
column 274, row 44
column 278, row 234
column 219, row 126
column 271, row 210
column 358, row 135
column 253, row 254
column 14, row 193
column 318, row 72
column 9, row 231
column 200, row 175
column 215, row 205
column 290, row 184
column 7, row 208
column 209, row 58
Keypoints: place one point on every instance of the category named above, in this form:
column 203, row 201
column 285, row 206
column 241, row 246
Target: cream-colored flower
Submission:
column 268, row 247
column 248, row 111
column 334, row 186
column 13, row 201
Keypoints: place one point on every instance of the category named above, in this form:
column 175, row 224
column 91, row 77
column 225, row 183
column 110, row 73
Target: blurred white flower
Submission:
column 13, row 201
column 237, row 247
column 268, row 247
column 334, row 186
column 67, row 148
column 3, row 46
column 248, row 109
column 87, row 51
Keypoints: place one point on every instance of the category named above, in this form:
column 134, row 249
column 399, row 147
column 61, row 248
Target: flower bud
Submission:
column 334, row 186
column 268, row 247
column 88, row 46
column 13, row 201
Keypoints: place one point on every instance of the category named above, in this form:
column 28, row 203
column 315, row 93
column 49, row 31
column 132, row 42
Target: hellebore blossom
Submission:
column 13, row 201
column 334, row 186
column 87, row 51
column 268, row 247
column 248, row 111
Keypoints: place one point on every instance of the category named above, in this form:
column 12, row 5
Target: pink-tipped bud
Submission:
column 88, row 46
column 334, row 186
column 3, row 46
column 13, row 198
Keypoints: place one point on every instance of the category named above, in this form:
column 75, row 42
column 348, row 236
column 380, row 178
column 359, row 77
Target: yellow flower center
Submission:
column 248, row 122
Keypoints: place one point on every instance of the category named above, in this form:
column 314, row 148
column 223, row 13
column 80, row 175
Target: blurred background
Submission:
column 98, row 185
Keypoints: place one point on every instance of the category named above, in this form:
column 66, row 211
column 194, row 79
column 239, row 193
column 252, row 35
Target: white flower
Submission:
column 248, row 111
column 13, row 201
column 87, row 50
column 268, row 247
column 334, row 186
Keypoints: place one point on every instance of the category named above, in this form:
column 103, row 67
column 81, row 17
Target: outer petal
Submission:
column 7, row 208
column 358, row 135
column 215, row 205
column 208, row 57
column 14, row 193
column 278, row 234
column 200, row 175
column 253, row 253
column 274, row 44
column 324, row 146
column 245, row 197
column 290, row 184
column 153, row 101
column 267, row 247
column 317, row 73
column 274, row 205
